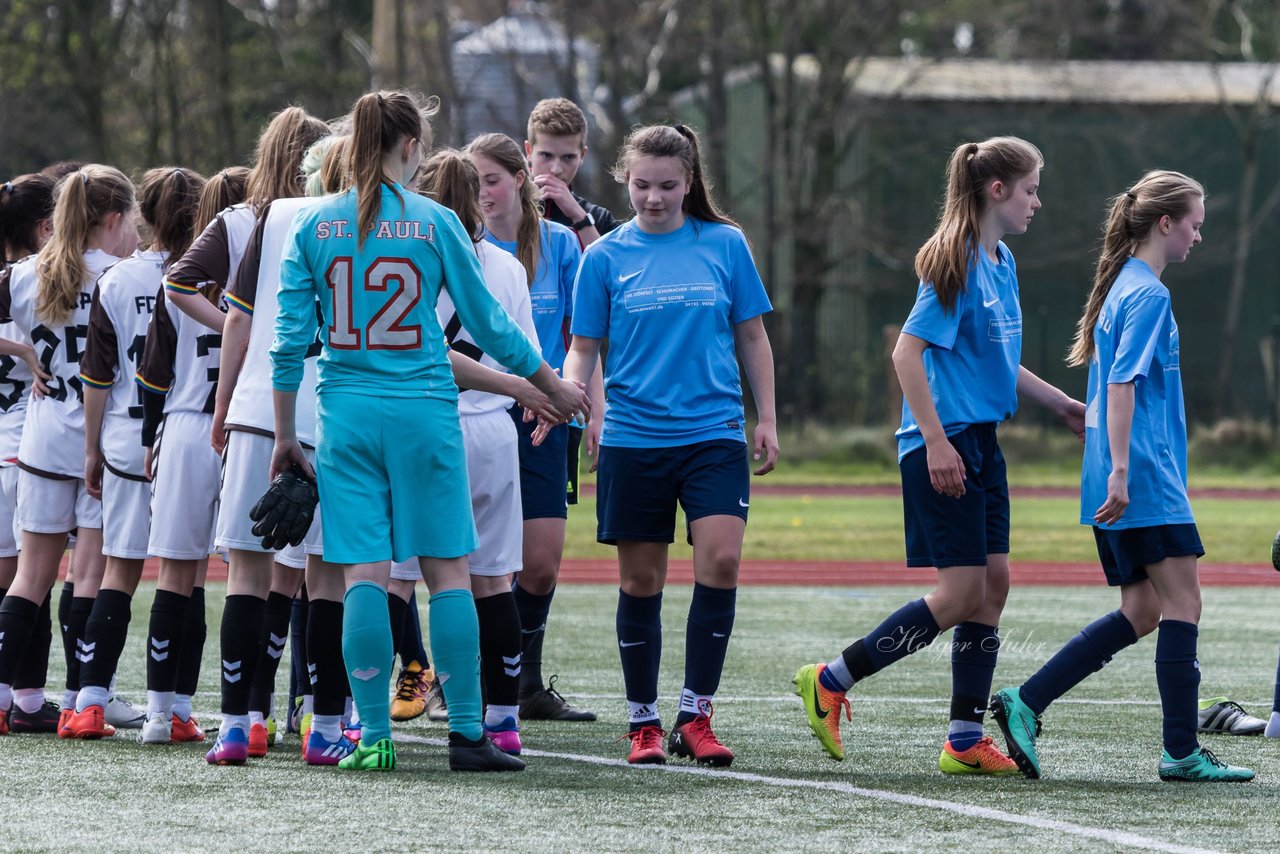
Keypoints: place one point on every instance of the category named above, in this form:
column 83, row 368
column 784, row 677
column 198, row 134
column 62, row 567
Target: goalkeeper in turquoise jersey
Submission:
column 389, row 458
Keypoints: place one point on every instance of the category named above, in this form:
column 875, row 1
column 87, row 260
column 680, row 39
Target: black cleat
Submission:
column 546, row 704
column 482, row 755
column 44, row 719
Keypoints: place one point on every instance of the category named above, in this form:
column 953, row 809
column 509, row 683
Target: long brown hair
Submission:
column 84, row 199
column 220, row 192
column 450, row 178
column 24, row 202
column 1131, row 218
column 167, row 199
column 276, row 173
column 506, row 152
column 380, row 121
column 680, row 142
column 944, row 260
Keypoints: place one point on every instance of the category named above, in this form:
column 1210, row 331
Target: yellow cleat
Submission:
column 819, row 705
column 983, row 758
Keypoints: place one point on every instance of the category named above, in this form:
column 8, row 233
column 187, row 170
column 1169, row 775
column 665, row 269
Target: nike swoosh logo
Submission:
column 629, row 276
column 625, row 644
column 989, row 303
column 974, row 765
column 981, row 710
column 742, row 503
column 817, row 703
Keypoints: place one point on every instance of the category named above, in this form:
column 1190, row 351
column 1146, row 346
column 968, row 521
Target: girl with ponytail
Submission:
column 115, row 470
column 549, row 253
column 679, row 275
column 958, row 361
column 377, row 257
column 48, row 299
column 1133, row 489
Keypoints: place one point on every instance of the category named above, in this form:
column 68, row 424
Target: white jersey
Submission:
column 215, row 255
column 254, row 292
column 507, row 281
column 122, row 306
column 15, row 385
column 181, row 360
column 53, row 432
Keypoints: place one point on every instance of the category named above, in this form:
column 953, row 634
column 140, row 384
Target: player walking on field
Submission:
column 115, row 467
column 48, row 299
column 386, row 407
column 1133, row 489
column 680, row 272
column 958, row 361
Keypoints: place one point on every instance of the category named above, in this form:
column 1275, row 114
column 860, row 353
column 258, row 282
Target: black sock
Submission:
column 73, row 638
column 275, row 633
column 499, row 649
column 241, row 636
column 33, row 668
column 396, row 610
column 104, row 634
column 533, row 628
column 328, row 671
column 195, row 628
column 17, row 617
column 411, row 647
column 299, row 685
column 64, row 617
column 165, row 640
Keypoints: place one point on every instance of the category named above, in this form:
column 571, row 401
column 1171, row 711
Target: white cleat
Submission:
column 156, row 729
column 122, row 714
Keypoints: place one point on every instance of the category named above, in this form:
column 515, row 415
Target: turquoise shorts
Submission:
column 393, row 479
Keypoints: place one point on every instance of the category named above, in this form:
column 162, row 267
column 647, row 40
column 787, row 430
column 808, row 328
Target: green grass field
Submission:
column 1099, row 752
column 856, row 528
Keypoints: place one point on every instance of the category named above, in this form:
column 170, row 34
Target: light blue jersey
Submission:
column 668, row 304
column 551, row 293
column 379, row 300
column 974, row 351
column 1136, row 341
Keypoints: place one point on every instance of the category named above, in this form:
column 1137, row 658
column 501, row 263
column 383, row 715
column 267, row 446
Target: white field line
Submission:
column 1111, row 837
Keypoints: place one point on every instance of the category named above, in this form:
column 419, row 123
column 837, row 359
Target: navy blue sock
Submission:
column 707, row 634
column 907, row 630
column 974, row 649
column 639, row 624
column 1275, row 702
column 298, row 682
column 533, row 628
column 396, row 608
column 1088, row 652
column 411, row 647
column 1178, row 677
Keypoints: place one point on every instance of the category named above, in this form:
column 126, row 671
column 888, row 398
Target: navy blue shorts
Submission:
column 543, row 493
column 1126, row 553
column 943, row 531
column 637, row 489
column 574, row 453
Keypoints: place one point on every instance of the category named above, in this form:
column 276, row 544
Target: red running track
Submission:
column 894, row 491
column 820, row 573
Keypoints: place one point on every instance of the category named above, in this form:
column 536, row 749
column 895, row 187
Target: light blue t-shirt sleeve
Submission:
column 591, row 297
column 482, row 315
column 930, row 322
column 1144, row 321
column 749, row 298
column 295, row 328
column 570, row 258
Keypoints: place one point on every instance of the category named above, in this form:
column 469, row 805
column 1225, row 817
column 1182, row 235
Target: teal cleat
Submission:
column 1021, row 728
column 1201, row 767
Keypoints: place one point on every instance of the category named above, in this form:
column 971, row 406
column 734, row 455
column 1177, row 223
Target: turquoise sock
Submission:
column 455, row 648
column 367, row 650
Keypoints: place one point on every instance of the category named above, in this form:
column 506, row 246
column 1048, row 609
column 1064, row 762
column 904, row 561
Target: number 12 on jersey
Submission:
column 386, row 329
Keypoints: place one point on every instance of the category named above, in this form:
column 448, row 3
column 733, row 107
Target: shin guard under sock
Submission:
column 455, row 646
column 499, row 648
column 366, row 648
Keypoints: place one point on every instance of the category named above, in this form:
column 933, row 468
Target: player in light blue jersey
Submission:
column 549, row 253
column 958, row 360
column 1134, row 480
column 377, row 256
column 677, row 294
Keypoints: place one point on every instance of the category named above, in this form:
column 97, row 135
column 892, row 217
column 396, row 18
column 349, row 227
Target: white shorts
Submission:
column 10, row 536
column 246, row 462
column 184, row 488
column 126, row 516
column 55, row 506
column 493, row 470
